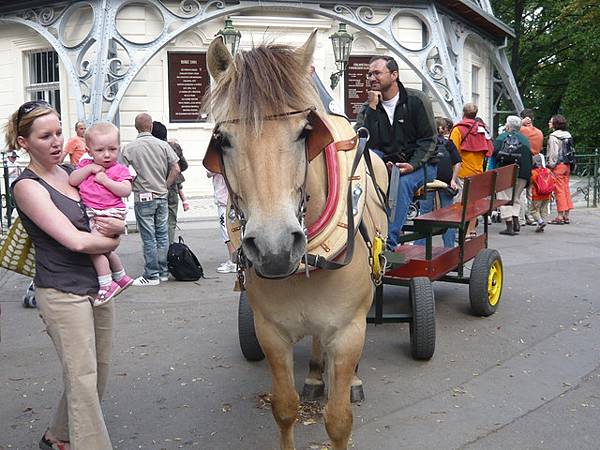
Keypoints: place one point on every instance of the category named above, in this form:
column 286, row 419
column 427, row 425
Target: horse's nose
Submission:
column 275, row 253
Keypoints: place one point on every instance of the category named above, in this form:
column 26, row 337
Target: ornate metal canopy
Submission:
column 104, row 62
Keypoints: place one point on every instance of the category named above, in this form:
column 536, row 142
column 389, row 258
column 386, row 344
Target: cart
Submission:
column 417, row 266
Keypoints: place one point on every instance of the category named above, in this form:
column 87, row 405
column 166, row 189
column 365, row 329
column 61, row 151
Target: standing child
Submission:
column 542, row 186
column 102, row 183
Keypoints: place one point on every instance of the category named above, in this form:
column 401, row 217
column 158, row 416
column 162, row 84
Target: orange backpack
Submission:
column 543, row 183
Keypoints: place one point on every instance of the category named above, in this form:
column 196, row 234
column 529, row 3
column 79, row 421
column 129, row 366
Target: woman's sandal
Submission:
column 46, row 444
column 471, row 235
column 566, row 221
column 557, row 221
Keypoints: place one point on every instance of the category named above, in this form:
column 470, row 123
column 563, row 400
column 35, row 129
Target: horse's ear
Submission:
column 305, row 53
column 218, row 58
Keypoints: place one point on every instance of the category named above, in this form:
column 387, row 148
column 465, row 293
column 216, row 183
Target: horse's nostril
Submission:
column 250, row 247
column 299, row 239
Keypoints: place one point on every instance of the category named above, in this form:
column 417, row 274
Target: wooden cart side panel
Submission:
column 442, row 262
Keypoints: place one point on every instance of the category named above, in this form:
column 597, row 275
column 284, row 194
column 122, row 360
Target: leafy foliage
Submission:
column 555, row 58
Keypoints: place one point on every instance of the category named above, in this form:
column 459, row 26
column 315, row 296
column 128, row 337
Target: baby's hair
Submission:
column 100, row 128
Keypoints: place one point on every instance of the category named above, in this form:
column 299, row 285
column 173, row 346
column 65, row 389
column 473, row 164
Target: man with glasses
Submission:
column 402, row 131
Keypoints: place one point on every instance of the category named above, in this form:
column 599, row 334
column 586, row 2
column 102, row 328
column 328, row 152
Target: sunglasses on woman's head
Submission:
column 27, row 107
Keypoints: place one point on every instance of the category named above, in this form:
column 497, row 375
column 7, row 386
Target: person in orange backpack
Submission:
column 542, row 186
column 472, row 138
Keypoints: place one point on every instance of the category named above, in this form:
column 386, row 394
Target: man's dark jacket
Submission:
column 412, row 137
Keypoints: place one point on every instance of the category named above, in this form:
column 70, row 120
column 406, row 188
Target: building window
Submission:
column 42, row 77
column 475, row 84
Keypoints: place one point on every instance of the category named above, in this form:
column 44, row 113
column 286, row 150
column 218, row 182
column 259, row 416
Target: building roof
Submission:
column 468, row 10
column 474, row 15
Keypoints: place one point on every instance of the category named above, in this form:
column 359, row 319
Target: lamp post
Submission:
column 231, row 36
column 342, row 46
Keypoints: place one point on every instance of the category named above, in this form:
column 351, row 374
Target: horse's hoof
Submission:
column 357, row 394
column 312, row 392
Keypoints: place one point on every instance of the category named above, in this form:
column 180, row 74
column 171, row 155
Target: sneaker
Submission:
column 143, row 281
column 124, row 282
column 106, row 293
column 227, row 267
column 540, row 227
column 163, row 278
column 29, row 297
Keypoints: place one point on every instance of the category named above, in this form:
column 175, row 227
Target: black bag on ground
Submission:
column 182, row 263
column 510, row 152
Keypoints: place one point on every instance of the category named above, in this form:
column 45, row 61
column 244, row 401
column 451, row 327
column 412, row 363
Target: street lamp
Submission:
column 231, row 36
column 342, row 46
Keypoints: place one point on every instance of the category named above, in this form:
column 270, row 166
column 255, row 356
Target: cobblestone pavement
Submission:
column 527, row 377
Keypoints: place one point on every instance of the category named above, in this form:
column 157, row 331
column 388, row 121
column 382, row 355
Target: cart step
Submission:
column 394, row 258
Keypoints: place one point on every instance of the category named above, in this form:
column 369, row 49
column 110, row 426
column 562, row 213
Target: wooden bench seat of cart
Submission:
column 479, row 199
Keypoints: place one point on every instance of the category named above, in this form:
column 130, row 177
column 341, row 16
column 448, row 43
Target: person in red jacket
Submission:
column 536, row 139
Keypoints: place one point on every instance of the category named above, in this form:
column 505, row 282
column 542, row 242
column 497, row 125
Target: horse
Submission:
column 268, row 143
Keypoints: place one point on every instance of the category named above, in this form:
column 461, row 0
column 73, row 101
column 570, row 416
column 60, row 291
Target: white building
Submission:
column 111, row 59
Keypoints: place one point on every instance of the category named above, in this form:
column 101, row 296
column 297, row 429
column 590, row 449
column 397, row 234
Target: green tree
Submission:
column 555, row 60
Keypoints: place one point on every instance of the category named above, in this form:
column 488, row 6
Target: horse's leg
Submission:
column 314, row 387
column 343, row 354
column 284, row 402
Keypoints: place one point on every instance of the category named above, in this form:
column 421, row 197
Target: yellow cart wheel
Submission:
column 487, row 278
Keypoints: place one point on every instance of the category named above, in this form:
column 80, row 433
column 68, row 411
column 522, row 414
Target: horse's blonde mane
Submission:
column 267, row 80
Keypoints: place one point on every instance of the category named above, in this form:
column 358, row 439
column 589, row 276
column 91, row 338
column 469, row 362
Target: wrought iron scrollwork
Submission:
column 44, row 16
column 364, row 14
column 437, row 72
column 192, row 8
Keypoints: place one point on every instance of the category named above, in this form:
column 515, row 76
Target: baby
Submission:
column 102, row 183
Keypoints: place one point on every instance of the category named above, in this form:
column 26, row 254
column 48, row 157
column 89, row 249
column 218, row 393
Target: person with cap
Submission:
column 155, row 164
column 159, row 131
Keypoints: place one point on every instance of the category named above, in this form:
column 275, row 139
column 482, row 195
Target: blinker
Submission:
column 319, row 137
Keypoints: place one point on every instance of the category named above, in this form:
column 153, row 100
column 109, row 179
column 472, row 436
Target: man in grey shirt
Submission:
column 155, row 164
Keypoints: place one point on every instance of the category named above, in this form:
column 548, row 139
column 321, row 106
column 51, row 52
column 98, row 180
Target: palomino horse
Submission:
column 266, row 132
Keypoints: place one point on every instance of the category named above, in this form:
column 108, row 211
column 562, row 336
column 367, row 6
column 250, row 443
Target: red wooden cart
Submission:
column 417, row 266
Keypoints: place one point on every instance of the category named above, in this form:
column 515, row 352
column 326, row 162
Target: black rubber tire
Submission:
column 413, row 211
column 483, row 303
column 422, row 325
column 249, row 344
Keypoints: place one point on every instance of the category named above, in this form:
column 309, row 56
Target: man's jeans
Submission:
column 426, row 205
column 152, row 222
column 407, row 186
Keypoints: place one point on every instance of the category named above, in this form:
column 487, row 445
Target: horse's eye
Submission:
column 304, row 133
column 222, row 140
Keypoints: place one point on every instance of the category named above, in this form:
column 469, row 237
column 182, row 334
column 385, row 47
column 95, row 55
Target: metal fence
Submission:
column 6, row 204
column 588, row 173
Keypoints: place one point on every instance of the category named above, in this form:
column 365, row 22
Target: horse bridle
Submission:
column 312, row 149
column 216, row 143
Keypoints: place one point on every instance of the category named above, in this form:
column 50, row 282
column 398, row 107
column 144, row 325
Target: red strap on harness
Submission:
column 333, row 191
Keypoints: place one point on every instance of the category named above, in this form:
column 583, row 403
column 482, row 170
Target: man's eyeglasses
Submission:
column 27, row 107
column 376, row 74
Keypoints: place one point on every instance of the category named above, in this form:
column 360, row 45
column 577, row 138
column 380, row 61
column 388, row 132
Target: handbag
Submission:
column 182, row 263
column 17, row 253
